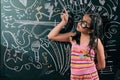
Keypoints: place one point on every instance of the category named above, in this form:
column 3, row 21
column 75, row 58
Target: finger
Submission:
column 65, row 10
column 61, row 13
column 72, row 41
column 74, row 34
column 65, row 16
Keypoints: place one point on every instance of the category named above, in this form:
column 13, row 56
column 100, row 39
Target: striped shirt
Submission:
column 82, row 64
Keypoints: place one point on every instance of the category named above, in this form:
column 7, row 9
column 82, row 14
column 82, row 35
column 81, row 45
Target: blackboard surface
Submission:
column 27, row 54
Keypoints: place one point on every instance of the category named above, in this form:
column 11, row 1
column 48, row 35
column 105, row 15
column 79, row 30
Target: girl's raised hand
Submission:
column 64, row 17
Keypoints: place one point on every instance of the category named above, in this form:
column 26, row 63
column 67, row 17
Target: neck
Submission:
column 84, row 39
column 85, row 35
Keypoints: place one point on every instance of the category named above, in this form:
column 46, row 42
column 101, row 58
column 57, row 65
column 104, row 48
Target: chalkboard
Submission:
column 27, row 53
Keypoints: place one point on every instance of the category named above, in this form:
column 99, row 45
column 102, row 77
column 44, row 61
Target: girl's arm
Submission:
column 55, row 32
column 100, row 56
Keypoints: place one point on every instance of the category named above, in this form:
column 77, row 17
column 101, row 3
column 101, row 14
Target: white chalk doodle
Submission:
column 25, row 26
column 23, row 4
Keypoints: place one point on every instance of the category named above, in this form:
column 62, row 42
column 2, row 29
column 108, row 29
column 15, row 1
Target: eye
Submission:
column 83, row 24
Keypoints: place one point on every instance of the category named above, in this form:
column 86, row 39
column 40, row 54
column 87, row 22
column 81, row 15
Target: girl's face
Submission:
column 84, row 24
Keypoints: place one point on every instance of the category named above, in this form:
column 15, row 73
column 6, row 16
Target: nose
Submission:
column 78, row 23
column 78, row 26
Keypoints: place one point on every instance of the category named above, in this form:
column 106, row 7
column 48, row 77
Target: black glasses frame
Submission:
column 84, row 24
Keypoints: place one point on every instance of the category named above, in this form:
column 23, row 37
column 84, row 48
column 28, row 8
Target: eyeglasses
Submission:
column 83, row 24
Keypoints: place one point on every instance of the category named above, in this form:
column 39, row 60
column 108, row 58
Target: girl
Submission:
column 84, row 46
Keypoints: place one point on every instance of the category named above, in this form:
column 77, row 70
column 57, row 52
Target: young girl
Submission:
column 84, row 46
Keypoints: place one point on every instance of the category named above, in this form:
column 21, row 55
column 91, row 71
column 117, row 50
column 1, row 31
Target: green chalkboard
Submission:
column 27, row 53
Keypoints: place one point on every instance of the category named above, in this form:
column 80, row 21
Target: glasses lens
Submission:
column 84, row 24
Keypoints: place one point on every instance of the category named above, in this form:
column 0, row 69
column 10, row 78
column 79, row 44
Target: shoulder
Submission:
column 97, row 42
